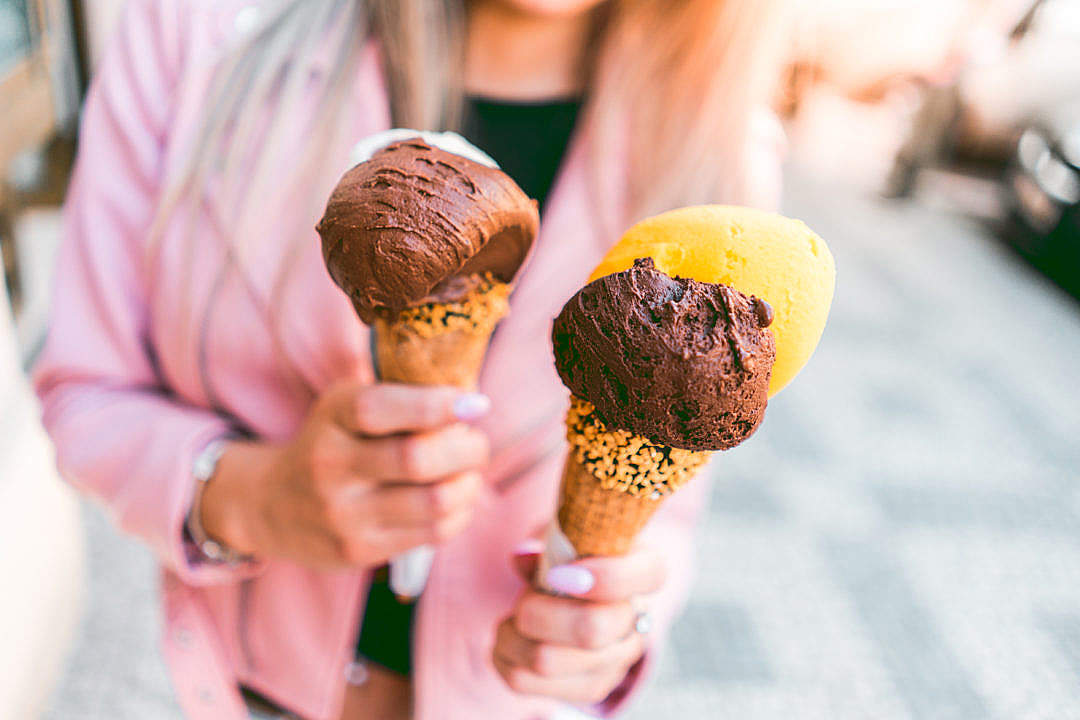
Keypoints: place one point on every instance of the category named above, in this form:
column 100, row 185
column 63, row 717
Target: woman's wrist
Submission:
column 229, row 503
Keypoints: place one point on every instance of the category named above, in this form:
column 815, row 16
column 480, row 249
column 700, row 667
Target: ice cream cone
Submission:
column 440, row 343
column 437, row 343
column 450, row 358
column 668, row 359
column 613, row 482
column 598, row 521
column 425, row 234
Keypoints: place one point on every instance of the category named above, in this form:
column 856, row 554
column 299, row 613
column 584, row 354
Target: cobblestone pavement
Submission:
column 901, row 540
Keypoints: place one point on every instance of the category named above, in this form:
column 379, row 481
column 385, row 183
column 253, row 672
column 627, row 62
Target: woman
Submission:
column 207, row 381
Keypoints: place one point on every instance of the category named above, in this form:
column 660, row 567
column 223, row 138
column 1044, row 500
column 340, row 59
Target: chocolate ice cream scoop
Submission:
column 680, row 362
column 416, row 224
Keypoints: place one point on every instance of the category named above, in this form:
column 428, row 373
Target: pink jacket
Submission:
column 125, row 405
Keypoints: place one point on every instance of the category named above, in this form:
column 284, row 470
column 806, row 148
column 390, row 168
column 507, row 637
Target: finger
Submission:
column 571, row 622
column 388, row 408
column 400, row 539
column 585, row 688
column 549, row 660
column 424, row 457
column 409, row 504
column 609, row 579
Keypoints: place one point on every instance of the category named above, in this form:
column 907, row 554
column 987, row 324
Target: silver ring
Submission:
column 643, row 623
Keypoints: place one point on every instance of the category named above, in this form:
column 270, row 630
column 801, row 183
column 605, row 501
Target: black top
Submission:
column 528, row 140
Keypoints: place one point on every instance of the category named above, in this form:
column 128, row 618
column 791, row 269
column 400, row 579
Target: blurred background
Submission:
column 901, row 539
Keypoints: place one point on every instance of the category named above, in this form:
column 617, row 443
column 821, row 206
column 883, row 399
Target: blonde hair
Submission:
column 672, row 84
column 684, row 75
column 689, row 76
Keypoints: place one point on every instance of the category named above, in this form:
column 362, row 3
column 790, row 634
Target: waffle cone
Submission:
column 599, row 521
column 614, row 481
column 441, row 343
column 454, row 357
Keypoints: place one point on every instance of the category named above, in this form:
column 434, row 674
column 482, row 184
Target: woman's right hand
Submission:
column 374, row 470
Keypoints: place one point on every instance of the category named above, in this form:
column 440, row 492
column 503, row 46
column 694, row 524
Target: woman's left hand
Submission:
column 577, row 648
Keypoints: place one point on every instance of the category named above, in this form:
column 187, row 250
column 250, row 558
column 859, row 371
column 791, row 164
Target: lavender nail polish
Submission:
column 569, row 579
column 471, row 406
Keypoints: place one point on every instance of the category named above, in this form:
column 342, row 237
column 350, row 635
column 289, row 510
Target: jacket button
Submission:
column 246, row 19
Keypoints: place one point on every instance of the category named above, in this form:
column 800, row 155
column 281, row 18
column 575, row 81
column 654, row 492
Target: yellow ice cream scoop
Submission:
column 758, row 253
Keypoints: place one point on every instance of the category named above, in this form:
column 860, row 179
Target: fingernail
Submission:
column 471, row 406
column 529, row 546
column 570, row 579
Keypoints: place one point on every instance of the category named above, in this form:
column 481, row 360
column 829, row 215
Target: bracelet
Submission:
column 203, row 470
